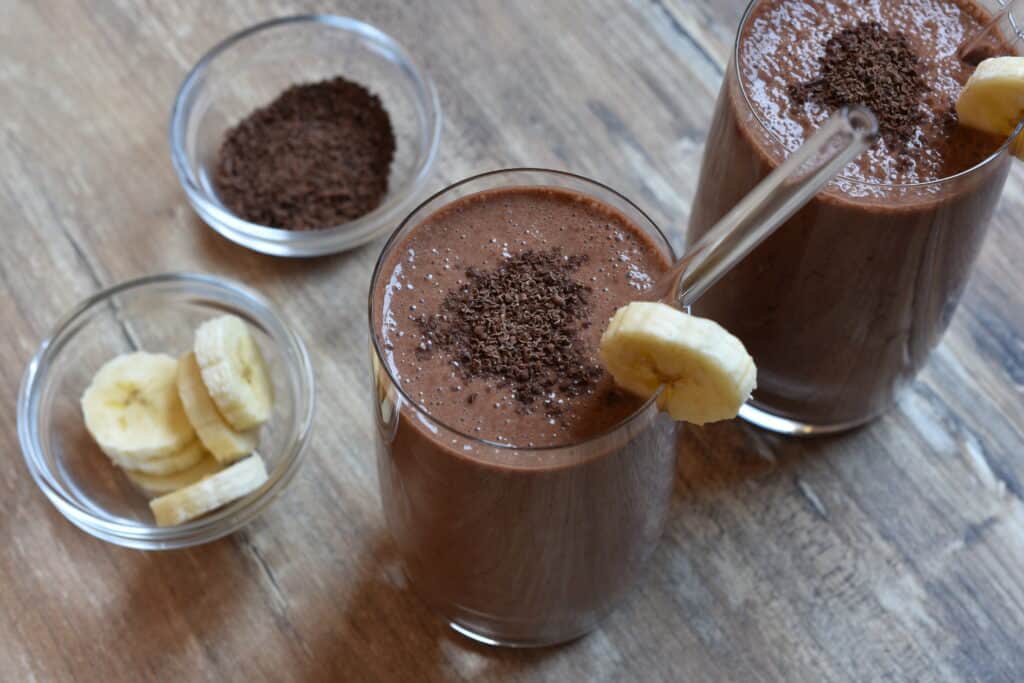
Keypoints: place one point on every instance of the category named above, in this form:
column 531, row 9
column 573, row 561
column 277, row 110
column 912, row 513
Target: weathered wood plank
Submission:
column 893, row 553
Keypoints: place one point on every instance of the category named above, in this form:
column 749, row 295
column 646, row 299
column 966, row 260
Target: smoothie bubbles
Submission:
column 842, row 305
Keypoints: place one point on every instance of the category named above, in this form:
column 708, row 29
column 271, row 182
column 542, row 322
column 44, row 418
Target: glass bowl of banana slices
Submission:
column 166, row 411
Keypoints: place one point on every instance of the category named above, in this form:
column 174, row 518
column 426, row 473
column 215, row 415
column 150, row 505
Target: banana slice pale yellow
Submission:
column 234, row 372
column 993, row 98
column 210, row 493
column 159, row 484
column 222, row 440
column 132, row 409
column 705, row 372
column 167, row 464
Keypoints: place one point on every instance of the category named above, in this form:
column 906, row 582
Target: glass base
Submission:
column 765, row 419
column 540, row 632
column 494, row 632
column 470, row 632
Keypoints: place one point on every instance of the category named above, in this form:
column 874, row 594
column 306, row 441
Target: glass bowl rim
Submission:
column 423, row 411
column 207, row 528
column 998, row 153
column 321, row 241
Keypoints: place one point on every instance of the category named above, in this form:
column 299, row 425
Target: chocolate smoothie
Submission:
column 523, row 489
column 841, row 306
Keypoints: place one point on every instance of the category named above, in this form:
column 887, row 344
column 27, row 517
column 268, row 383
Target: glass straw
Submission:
column 841, row 139
column 1005, row 13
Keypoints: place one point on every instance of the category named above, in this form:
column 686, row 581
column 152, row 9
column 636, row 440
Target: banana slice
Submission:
column 706, row 372
column 224, row 442
column 132, row 409
column 993, row 99
column 233, row 371
column 158, row 484
column 167, row 464
column 230, row 484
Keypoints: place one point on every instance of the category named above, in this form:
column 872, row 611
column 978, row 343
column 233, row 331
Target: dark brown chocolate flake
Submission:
column 518, row 324
column 867, row 65
column 317, row 156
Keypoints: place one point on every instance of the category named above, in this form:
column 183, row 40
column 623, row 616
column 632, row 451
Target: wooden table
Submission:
column 892, row 553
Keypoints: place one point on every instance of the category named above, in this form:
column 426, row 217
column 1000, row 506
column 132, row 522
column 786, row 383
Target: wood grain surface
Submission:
column 893, row 553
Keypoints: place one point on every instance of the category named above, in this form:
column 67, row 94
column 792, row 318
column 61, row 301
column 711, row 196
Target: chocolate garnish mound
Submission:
column 519, row 324
column 868, row 65
column 318, row 156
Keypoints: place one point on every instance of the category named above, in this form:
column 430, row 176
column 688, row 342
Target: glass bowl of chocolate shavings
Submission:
column 305, row 135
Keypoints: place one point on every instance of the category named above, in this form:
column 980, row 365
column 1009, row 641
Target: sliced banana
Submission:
column 210, row 493
column 706, row 372
column 167, row 464
column 993, row 99
column 157, row 485
column 221, row 439
column 132, row 408
column 233, row 371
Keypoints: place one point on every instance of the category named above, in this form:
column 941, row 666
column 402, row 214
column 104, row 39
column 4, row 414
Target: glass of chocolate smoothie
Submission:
column 523, row 490
column 841, row 306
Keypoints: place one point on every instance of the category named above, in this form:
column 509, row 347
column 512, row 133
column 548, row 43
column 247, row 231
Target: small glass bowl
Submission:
column 251, row 68
column 158, row 314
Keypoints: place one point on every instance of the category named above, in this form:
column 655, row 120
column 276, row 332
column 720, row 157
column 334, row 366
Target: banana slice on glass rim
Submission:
column 705, row 373
column 993, row 98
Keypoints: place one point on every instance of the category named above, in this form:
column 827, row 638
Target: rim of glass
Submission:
column 938, row 181
column 207, row 528
column 386, row 251
column 356, row 231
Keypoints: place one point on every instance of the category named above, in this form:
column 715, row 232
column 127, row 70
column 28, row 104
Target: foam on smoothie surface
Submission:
column 795, row 65
column 493, row 308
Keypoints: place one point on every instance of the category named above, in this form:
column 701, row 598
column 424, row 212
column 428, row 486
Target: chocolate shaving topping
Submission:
column 317, row 156
column 868, row 65
column 518, row 324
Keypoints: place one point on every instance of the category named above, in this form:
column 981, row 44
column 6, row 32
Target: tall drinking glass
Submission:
column 517, row 546
column 841, row 306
